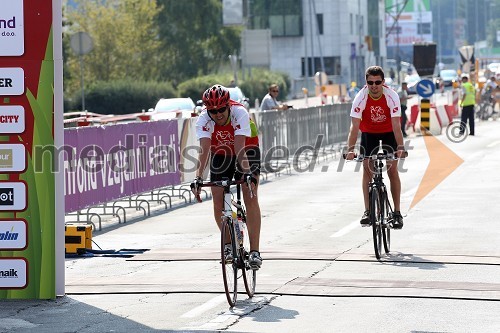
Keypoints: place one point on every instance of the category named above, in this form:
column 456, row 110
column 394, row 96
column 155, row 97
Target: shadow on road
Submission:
column 407, row 260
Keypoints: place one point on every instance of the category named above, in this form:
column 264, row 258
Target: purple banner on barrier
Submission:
column 116, row 161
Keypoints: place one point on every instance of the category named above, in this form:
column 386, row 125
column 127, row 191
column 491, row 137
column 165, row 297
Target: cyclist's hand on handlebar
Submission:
column 401, row 153
column 350, row 156
column 196, row 187
column 251, row 182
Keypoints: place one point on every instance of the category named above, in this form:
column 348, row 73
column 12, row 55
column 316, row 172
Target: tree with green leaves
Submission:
column 125, row 41
column 194, row 40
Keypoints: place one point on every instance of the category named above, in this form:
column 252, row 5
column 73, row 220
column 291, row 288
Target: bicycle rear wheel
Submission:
column 375, row 214
column 386, row 231
column 229, row 268
column 249, row 274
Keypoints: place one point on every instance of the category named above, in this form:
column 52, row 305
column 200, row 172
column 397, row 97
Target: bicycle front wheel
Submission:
column 386, row 231
column 229, row 268
column 249, row 274
column 375, row 213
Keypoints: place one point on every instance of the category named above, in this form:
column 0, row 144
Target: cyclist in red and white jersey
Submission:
column 229, row 140
column 376, row 112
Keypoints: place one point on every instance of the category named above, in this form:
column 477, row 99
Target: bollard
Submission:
column 425, row 116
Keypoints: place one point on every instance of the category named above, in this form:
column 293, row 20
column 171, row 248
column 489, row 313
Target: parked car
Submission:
column 446, row 76
column 237, row 95
column 170, row 108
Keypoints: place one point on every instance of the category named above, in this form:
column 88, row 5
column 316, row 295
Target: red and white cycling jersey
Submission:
column 376, row 114
column 222, row 137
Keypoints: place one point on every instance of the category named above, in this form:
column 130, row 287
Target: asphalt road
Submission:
column 319, row 272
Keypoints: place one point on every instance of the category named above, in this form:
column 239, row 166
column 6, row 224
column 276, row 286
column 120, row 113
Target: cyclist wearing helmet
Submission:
column 228, row 138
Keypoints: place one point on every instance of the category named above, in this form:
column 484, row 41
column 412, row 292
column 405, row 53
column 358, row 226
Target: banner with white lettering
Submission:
column 105, row 163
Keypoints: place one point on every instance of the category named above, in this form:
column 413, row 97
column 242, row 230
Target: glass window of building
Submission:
column 283, row 17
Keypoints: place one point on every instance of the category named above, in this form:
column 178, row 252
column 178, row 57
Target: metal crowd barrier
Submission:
column 289, row 139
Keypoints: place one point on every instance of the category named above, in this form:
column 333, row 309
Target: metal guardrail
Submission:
column 296, row 128
column 289, row 139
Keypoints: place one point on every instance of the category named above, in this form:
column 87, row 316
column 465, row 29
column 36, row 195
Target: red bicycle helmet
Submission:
column 216, row 97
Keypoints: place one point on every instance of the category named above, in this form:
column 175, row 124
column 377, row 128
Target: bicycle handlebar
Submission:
column 378, row 156
column 226, row 183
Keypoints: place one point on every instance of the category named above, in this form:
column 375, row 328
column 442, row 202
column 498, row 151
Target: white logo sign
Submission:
column 13, row 234
column 11, row 28
column 12, row 196
column 12, row 157
column 12, row 119
column 11, row 81
column 13, row 273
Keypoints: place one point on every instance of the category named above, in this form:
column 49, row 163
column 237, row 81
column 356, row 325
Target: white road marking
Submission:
column 205, row 307
column 493, row 144
column 347, row 229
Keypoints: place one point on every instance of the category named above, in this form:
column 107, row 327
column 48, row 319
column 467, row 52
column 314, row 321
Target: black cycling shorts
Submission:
column 370, row 143
column 226, row 166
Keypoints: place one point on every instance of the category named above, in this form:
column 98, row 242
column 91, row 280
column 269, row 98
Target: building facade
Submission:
column 340, row 38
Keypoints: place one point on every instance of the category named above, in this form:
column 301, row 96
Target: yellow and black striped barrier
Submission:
column 425, row 116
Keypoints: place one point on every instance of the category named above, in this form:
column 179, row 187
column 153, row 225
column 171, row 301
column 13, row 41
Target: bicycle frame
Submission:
column 227, row 212
column 230, row 229
column 378, row 179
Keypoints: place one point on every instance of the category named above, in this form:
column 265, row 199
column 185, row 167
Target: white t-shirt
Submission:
column 269, row 103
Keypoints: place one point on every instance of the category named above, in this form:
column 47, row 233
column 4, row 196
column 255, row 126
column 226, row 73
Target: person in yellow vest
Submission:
column 468, row 102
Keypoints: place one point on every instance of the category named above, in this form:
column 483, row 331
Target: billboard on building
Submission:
column 408, row 25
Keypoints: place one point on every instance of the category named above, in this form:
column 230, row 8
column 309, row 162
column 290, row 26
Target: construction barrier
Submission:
column 444, row 118
column 435, row 121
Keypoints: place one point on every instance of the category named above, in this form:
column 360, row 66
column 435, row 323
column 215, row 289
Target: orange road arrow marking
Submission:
column 442, row 162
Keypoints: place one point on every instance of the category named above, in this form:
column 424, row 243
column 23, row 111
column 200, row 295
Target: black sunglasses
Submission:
column 370, row 83
column 215, row 111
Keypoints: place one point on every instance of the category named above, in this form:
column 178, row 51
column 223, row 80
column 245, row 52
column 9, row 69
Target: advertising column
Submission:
column 30, row 108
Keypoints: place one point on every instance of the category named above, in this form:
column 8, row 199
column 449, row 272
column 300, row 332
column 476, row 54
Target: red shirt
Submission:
column 222, row 136
column 222, row 141
column 376, row 116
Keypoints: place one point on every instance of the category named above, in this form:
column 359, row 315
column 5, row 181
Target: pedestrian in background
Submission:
column 403, row 98
column 353, row 90
column 468, row 103
column 270, row 102
column 392, row 74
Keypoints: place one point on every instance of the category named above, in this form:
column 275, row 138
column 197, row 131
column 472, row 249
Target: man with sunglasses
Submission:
column 270, row 102
column 376, row 112
column 228, row 138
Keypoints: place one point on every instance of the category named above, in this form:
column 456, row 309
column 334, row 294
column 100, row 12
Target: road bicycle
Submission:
column 379, row 205
column 486, row 107
column 234, row 232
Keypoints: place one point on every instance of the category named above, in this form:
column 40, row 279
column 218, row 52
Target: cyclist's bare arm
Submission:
column 202, row 164
column 241, row 155
column 398, row 134
column 353, row 137
column 203, row 156
column 239, row 148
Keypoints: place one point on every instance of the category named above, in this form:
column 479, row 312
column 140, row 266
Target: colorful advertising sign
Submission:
column 414, row 24
column 30, row 103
